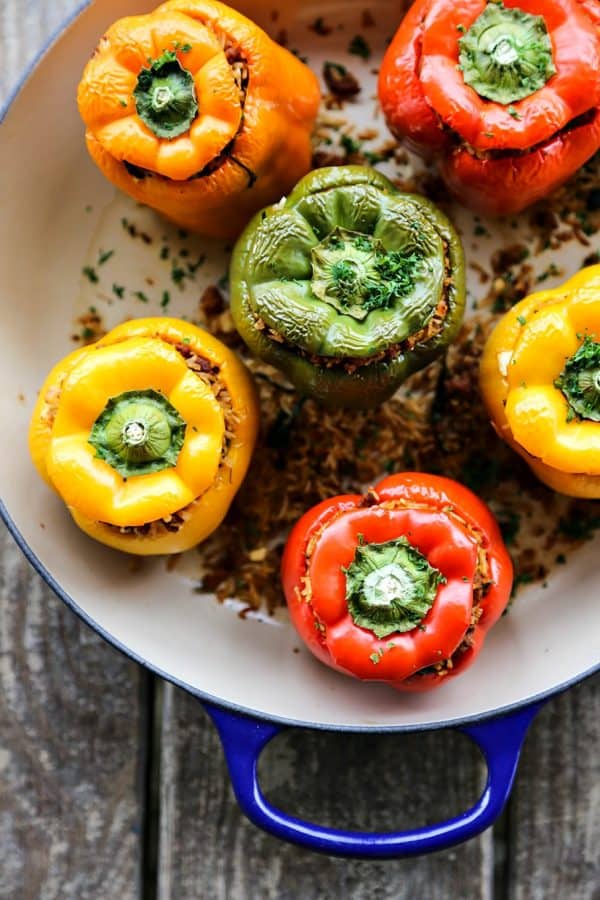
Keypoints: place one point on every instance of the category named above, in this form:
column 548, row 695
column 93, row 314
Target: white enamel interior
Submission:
column 46, row 235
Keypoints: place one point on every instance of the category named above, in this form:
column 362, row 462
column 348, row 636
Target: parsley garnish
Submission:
column 91, row 274
column 359, row 47
column 349, row 144
column 178, row 274
column 105, row 256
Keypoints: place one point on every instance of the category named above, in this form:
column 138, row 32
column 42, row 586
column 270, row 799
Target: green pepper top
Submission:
column 346, row 275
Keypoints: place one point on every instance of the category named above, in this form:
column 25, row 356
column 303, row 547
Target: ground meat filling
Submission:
column 481, row 578
column 507, row 153
column 433, row 327
column 241, row 74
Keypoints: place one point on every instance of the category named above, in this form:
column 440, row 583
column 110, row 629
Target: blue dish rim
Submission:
column 41, row 569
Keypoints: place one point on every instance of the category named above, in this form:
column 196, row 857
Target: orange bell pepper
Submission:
column 507, row 95
column 194, row 111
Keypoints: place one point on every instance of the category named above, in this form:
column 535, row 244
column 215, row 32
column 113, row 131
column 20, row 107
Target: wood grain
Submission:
column 71, row 713
column 554, row 821
column 208, row 851
column 70, row 776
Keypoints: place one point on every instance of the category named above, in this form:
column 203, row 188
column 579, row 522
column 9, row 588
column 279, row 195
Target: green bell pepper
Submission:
column 348, row 286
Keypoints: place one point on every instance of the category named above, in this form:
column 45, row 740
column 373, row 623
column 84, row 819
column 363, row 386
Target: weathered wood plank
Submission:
column 554, row 822
column 70, row 773
column 208, row 850
column 70, row 722
column 70, row 711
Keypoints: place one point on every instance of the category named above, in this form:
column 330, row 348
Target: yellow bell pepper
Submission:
column 193, row 110
column 540, row 380
column 147, row 434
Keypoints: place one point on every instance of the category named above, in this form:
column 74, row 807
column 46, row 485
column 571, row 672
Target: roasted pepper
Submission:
column 348, row 286
column 505, row 95
column 540, row 380
column 196, row 112
column 399, row 585
column 146, row 435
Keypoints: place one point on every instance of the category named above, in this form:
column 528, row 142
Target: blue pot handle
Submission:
column 499, row 739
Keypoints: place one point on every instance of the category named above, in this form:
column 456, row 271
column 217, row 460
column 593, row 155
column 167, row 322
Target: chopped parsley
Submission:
column 194, row 266
column 118, row 290
column 359, row 47
column 349, row 144
column 104, row 256
column 521, row 578
column 319, row 27
column 550, row 272
column 91, row 274
column 166, row 299
column 140, row 295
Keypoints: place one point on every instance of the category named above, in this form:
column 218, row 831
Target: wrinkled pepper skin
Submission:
column 524, row 358
column 249, row 141
column 178, row 500
column 281, row 273
column 496, row 157
column 449, row 532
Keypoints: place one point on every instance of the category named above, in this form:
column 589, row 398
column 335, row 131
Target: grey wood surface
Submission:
column 113, row 785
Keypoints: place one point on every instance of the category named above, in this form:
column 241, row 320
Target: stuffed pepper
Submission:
column 196, row 112
column 146, row 435
column 400, row 585
column 506, row 95
column 540, row 380
column 348, row 286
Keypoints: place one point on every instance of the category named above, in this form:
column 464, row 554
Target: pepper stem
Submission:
column 580, row 382
column 390, row 587
column 506, row 54
column 165, row 96
column 355, row 274
column 138, row 432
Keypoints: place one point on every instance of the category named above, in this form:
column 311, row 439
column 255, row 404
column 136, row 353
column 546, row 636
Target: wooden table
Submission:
column 113, row 785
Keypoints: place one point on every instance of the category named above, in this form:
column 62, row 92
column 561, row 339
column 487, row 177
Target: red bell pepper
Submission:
column 399, row 585
column 506, row 94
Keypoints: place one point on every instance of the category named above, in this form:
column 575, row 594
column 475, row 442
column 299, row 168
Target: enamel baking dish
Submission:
column 56, row 211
